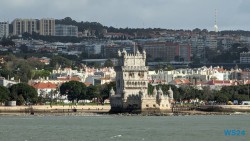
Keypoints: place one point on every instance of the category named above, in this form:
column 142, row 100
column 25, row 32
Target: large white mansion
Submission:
column 132, row 87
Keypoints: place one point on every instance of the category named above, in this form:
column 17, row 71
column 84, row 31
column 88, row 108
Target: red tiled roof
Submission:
column 182, row 81
column 44, row 85
column 213, row 82
column 87, row 83
column 75, row 78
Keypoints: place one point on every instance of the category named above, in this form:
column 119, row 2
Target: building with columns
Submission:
column 132, row 87
column 47, row 27
column 21, row 26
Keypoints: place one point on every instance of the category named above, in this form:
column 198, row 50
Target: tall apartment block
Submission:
column 21, row 26
column 47, row 27
column 66, row 30
column 165, row 50
column 4, row 29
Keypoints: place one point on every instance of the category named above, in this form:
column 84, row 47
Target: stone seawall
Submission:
column 46, row 109
column 225, row 108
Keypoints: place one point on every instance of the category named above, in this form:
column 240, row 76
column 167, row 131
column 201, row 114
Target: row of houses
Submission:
column 213, row 77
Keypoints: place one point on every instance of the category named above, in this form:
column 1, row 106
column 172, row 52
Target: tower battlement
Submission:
column 132, row 85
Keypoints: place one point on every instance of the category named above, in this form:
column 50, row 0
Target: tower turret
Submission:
column 154, row 92
column 160, row 96
column 112, row 92
column 170, row 93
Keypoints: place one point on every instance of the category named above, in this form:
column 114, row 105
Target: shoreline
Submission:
column 99, row 110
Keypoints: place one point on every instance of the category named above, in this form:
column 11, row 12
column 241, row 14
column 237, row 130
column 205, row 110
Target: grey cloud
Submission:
column 175, row 14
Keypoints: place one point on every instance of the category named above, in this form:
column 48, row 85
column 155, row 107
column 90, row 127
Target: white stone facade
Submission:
column 132, row 86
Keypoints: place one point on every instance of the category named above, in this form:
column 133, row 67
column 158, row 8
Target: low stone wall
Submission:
column 225, row 108
column 54, row 109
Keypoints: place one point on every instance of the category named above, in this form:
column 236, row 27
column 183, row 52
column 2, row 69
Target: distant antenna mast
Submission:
column 215, row 21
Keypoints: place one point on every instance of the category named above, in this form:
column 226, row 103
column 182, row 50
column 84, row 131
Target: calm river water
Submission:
column 123, row 128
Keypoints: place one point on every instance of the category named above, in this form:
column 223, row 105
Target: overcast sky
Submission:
column 169, row 14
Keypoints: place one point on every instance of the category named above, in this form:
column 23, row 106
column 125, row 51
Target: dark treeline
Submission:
column 227, row 93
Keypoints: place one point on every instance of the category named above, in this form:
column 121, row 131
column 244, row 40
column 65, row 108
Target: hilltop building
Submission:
column 21, row 26
column 47, row 26
column 4, row 29
column 245, row 57
column 66, row 30
column 132, row 87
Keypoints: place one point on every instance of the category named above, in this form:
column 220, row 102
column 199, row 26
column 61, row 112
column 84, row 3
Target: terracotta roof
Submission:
column 87, row 83
column 105, row 78
column 182, row 81
column 213, row 82
column 62, row 78
column 44, row 85
column 247, row 82
column 75, row 78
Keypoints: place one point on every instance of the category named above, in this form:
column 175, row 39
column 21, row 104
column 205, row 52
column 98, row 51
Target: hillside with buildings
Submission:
column 198, row 64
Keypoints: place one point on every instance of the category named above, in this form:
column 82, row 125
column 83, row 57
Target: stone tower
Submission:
column 131, row 74
column 132, row 86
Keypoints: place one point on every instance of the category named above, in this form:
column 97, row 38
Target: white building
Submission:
column 4, row 29
column 211, row 42
column 132, row 87
column 47, row 27
column 245, row 57
column 198, row 46
column 66, row 30
column 24, row 25
column 7, row 83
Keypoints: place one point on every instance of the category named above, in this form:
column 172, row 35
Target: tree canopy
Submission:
column 105, row 90
column 4, row 94
column 108, row 63
column 57, row 61
column 22, row 92
column 74, row 90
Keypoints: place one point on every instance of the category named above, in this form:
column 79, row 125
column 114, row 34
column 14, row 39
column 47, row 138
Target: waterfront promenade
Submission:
column 104, row 109
column 46, row 109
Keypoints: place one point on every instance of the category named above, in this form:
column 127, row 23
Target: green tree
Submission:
column 221, row 98
column 108, row 63
column 74, row 90
column 24, row 48
column 6, row 73
column 24, row 92
column 57, row 61
column 92, row 92
column 105, row 90
column 7, row 42
column 20, row 100
column 40, row 73
column 4, row 94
